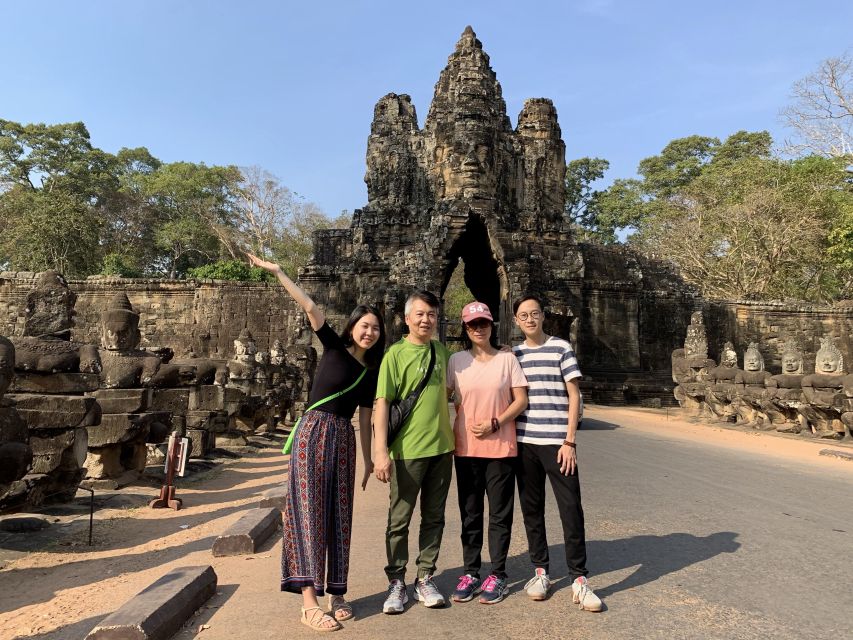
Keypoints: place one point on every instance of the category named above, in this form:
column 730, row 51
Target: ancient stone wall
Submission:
column 202, row 316
column 771, row 324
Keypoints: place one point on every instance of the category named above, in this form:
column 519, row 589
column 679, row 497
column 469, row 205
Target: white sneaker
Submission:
column 397, row 597
column 428, row 593
column 585, row 597
column 538, row 586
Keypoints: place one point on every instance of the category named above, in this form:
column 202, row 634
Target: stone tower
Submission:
column 469, row 186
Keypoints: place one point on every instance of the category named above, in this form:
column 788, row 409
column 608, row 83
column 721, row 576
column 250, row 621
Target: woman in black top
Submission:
column 318, row 511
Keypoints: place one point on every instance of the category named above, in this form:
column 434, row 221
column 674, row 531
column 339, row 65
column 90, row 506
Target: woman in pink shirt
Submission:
column 490, row 390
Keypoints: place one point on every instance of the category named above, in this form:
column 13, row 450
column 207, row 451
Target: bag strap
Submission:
column 339, row 393
column 425, row 379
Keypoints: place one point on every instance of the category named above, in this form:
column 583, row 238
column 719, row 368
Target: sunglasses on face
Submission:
column 477, row 324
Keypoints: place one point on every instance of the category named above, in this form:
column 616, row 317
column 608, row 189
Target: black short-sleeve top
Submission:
column 337, row 370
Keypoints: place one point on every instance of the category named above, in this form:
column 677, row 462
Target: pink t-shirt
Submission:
column 483, row 390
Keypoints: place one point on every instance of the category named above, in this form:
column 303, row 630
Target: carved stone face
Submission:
column 729, row 356
column 752, row 362
column 120, row 333
column 277, row 353
column 696, row 318
column 827, row 362
column 7, row 364
column 50, row 307
column 791, row 363
column 245, row 349
column 467, row 165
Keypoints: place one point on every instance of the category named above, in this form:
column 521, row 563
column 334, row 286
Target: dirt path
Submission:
column 64, row 590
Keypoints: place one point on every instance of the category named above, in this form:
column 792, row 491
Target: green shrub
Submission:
column 230, row 270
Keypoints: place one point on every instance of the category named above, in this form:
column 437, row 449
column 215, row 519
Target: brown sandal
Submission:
column 318, row 620
column 340, row 608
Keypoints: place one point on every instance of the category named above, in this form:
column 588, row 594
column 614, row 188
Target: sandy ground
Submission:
column 52, row 585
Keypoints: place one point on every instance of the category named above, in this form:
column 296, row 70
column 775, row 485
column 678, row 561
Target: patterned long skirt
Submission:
column 318, row 509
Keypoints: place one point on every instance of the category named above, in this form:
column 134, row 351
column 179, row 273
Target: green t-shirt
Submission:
column 427, row 432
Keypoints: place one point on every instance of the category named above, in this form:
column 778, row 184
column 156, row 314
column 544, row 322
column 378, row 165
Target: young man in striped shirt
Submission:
column 546, row 449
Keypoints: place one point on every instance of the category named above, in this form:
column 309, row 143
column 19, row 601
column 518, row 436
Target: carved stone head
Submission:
column 792, row 359
column 728, row 357
column 244, row 346
column 467, row 164
column 7, row 364
column 50, row 307
column 752, row 359
column 277, row 353
column 120, row 325
column 829, row 359
column 263, row 358
column 696, row 342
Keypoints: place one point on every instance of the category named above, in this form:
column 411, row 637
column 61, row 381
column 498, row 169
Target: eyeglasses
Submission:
column 533, row 315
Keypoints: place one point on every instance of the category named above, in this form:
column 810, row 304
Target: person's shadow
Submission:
column 656, row 556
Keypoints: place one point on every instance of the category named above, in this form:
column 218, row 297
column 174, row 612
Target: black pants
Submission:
column 494, row 477
column 536, row 462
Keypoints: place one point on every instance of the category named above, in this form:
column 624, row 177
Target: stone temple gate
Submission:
column 469, row 186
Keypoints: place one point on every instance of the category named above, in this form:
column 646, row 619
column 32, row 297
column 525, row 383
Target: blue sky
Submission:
column 290, row 86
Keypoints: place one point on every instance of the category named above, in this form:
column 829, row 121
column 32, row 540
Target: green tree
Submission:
column 51, row 183
column 130, row 218
column 196, row 204
column 740, row 223
column 581, row 199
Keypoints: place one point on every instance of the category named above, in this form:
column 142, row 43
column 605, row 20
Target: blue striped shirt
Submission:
column 547, row 368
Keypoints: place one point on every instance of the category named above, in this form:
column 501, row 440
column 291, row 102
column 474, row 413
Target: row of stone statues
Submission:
column 72, row 413
column 820, row 403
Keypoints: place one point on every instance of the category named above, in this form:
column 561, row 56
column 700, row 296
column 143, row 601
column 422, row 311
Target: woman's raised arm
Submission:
column 315, row 316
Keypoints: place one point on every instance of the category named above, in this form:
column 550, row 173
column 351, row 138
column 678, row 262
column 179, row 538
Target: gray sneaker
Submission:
column 397, row 597
column 428, row 593
column 538, row 586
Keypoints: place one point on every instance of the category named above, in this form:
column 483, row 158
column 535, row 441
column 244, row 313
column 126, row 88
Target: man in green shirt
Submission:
column 422, row 453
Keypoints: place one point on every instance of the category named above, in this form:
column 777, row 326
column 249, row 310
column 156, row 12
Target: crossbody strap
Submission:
column 425, row 379
column 339, row 393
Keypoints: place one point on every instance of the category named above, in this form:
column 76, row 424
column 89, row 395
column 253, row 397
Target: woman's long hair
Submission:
column 466, row 339
column 372, row 356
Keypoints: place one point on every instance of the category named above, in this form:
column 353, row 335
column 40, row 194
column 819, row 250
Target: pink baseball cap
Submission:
column 474, row 310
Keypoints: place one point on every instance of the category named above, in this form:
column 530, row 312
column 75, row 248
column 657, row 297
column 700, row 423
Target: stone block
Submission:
column 158, row 611
column 231, row 439
column 56, row 412
column 274, row 498
column 199, row 419
column 175, row 401
column 248, row 533
column 104, row 462
column 201, row 441
column 123, row 400
column 62, row 449
column 207, row 397
column 54, row 383
column 836, row 453
column 117, row 428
